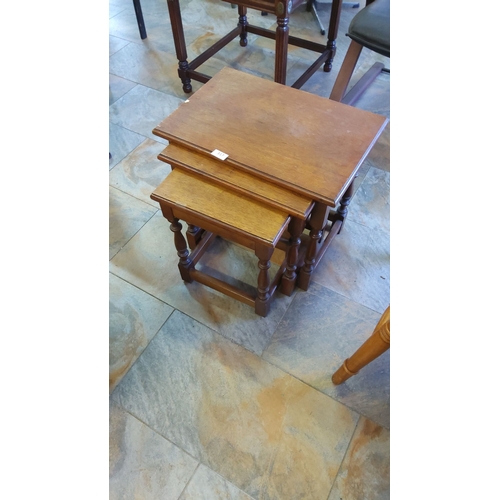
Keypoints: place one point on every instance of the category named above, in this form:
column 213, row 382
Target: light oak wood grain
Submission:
column 227, row 208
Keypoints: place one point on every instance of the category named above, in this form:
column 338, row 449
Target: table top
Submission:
column 222, row 206
column 294, row 139
column 237, row 180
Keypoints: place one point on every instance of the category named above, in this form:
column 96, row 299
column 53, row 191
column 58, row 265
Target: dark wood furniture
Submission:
column 369, row 28
column 375, row 346
column 282, row 9
column 300, row 142
column 140, row 19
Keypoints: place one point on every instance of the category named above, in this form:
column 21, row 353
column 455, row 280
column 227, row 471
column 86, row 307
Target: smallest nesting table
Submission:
column 220, row 211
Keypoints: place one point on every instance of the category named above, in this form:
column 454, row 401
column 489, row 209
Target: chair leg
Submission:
column 174, row 11
column 140, row 19
column 281, row 42
column 346, row 71
column 243, row 22
column 362, row 84
column 376, row 345
column 333, row 28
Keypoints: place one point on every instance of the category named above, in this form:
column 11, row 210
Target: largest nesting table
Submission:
column 307, row 145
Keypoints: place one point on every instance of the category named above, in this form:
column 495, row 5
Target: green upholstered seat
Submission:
column 370, row 27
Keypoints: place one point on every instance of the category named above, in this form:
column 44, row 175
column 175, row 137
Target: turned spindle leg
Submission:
column 376, row 345
column 342, row 211
column 243, row 22
column 193, row 235
column 283, row 9
column 317, row 222
column 333, row 28
column 174, row 11
column 289, row 278
column 182, row 250
column 262, row 301
column 185, row 263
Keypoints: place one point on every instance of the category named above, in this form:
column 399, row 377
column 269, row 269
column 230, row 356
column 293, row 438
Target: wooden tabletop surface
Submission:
column 237, row 180
column 220, row 204
column 295, row 139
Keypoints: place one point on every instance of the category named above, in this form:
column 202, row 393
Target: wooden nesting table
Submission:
column 247, row 222
column 286, row 149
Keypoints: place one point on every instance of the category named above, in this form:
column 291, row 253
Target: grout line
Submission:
column 142, row 352
column 242, row 347
column 147, row 87
column 295, row 292
column 119, row 50
column 159, row 433
column 199, row 460
column 141, row 289
column 133, row 236
column 189, row 480
column 281, row 369
column 131, row 195
column 325, row 394
column 342, row 295
column 343, row 458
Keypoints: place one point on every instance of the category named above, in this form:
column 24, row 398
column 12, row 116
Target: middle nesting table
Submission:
column 265, row 196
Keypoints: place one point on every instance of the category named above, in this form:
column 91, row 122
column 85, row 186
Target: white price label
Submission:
column 219, row 154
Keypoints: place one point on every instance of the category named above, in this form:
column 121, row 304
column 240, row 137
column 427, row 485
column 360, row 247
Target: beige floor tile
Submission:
column 118, row 87
column 134, row 318
column 156, row 20
column 142, row 109
column 141, row 172
column 115, row 44
column 143, row 464
column 263, row 430
column 208, row 485
column 126, row 216
column 371, row 206
column 357, row 266
column 148, row 66
column 251, row 59
column 366, row 468
column 114, row 10
column 121, row 143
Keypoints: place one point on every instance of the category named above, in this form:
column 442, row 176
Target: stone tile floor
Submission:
column 208, row 400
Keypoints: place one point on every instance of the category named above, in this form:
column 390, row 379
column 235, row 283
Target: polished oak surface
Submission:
column 237, row 180
column 237, row 212
column 309, row 144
